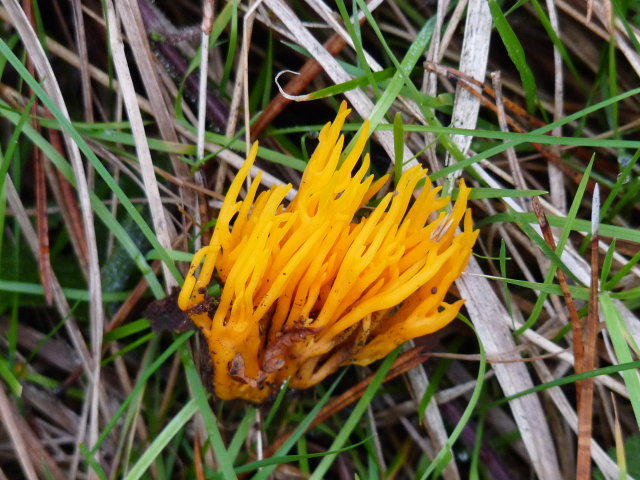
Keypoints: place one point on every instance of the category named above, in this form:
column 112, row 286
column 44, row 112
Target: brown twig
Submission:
column 70, row 204
column 545, row 228
column 197, row 456
column 42, row 223
column 585, row 401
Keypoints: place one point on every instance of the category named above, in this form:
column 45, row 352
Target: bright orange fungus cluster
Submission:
column 316, row 284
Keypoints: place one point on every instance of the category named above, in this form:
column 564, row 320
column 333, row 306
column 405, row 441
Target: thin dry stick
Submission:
column 44, row 258
column 244, row 62
column 133, row 24
column 578, row 349
column 69, row 204
column 42, row 223
column 307, row 73
column 483, row 305
column 585, row 401
column 517, row 173
column 601, row 458
column 240, row 90
column 197, row 456
column 432, row 419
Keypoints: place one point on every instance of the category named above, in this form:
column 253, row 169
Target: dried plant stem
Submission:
column 585, row 400
column 160, row 224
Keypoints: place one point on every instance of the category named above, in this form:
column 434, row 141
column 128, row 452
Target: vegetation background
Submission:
column 114, row 155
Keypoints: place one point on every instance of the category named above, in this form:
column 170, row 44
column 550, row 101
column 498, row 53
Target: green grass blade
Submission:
column 617, row 332
column 398, row 147
column 300, row 429
column 176, row 424
column 98, row 206
column 201, row 400
column 241, row 433
column 140, row 384
column 516, row 53
column 86, row 150
column 354, row 418
column 444, row 456
column 568, row 380
column 511, row 143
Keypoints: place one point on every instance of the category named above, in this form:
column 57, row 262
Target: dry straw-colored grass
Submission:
column 129, row 188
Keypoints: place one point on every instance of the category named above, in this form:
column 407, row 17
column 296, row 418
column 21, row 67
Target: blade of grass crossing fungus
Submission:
column 355, row 416
column 201, row 400
column 86, row 150
column 176, row 424
column 619, row 334
column 298, row 433
column 444, row 455
column 242, row 431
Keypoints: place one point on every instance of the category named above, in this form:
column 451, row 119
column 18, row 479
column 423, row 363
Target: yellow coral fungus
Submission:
column 308, row 287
